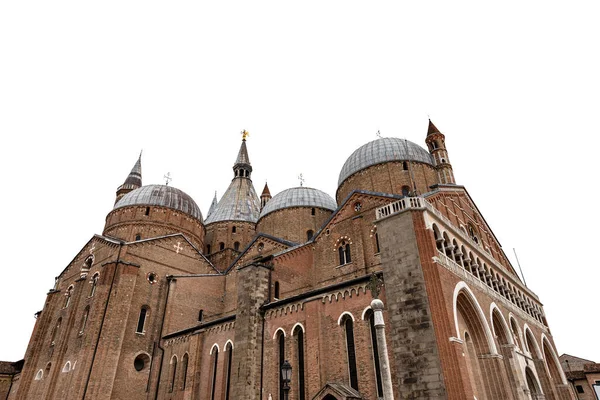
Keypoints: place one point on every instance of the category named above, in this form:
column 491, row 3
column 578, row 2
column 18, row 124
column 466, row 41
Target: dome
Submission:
column 299, row 197
column 164, row 196
column 381, row 151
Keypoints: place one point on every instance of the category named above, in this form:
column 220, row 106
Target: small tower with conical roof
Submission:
column 213, row 205
column 133, row 181
column 436, row 142
column 265, row 196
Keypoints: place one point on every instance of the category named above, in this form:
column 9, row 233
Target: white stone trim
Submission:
column 230, row 342
column 296, row 325
column 213, row 347
column 279, row 329
column 493, row 307
column 342, row 315
column 556, row 361
column 364, row 313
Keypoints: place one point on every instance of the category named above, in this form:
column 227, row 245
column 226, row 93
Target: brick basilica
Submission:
column 396, row 289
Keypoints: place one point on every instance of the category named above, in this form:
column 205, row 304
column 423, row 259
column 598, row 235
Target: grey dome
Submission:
column 299, row 197
column 381, row 151
column 164, row 196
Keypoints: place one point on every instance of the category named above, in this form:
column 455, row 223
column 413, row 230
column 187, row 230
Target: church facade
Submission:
column 397, row 288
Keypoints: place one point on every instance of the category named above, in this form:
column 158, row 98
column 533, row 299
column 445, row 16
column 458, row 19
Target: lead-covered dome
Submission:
column 381, row 151
column 299, row 197
column 161, row 195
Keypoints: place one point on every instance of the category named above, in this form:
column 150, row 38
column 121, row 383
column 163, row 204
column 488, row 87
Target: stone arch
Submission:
column 277, row 331
column 531, row 342
column 228, row 342
column 214, row 346
column 499, row 326
column 67, row 367
column 462, row 287
column 365, row 312
column 552, row 362
column 340, row 319
column 535, row 389
column 298, row 325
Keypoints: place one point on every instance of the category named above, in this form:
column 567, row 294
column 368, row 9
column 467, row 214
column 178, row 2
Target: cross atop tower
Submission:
column 301, row 179
column 167, row 178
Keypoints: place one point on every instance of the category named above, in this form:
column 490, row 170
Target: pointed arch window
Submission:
column 68, row 295
column 299, row 336
column 344, row 253
column 184, row 370
column 142, row 320
column 229, row 360
column 276, row 294
column 94, row 284
column 55, row 332
column 214, row 373
column 281, row 360
column 173, row 373
column 348, row 326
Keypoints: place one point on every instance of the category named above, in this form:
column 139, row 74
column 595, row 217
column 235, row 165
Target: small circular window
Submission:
column 140, row 362
column 152, row 278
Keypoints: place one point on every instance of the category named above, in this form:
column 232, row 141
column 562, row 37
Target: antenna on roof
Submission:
column 519, row 264
column 167, row 178
column 301, row 179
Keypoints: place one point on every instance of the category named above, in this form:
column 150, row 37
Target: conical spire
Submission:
column 431, row 129
column 265, row 196
column 266, row 191
column 242, row 167
column 133, row 181
column 213, row 205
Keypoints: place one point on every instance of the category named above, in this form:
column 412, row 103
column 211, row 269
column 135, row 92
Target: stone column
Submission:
column 384, row 361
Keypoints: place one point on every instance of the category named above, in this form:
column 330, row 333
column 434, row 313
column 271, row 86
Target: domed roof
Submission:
column 383, row 150
column 164, row 196
column 299, row 197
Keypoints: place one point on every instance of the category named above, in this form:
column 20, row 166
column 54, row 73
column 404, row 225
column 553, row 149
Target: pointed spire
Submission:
column 213, row 205
column 133, row 181
column 242, row 167
column 431, row 129
column 265, row 196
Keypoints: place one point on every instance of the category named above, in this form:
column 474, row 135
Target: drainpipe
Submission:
column 162, row 324
column 110, row 290
column 384, row 361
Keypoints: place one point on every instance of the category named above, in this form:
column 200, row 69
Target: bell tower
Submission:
column 436, row 142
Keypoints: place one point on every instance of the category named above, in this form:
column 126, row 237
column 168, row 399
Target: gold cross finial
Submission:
column 245, row 134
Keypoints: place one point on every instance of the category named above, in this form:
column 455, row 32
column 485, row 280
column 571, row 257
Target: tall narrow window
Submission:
column 221, row 246
column 299, row 334
column 349, row 328
column 147, row 211
column 173, row 373
column 313, row 211
column 84, row 319
column 229, row 359
column 276, row 290
column 214, row 374
column 68, row 295
column 208, row 249
column 184, row 370
column 404, row 166
column 233, row 229
column 236, row 246
column 200, row 315
column 94, row 284
column 309, row 235
column 281, row 344
column 55, row 332
column 375, row 354
column 142, row 320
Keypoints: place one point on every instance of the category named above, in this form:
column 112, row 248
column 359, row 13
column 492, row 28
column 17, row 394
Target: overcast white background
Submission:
column 514, row 86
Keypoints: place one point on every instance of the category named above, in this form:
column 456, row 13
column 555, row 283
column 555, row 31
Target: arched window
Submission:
column 313, row 211
column 276, row 295
column 348, row 326
column 55, row 332
column 208, row 249
column 472, row 233
column 39, row 375
column 214, row 373
column 405, row 190
column 344, row 253
column 309, row 235
column 200, row 315
column 94, row 284
column 221, row 246
column 68, row 295
column 184, row 370
column 233, row 229
column 371, row 318
column 299, row 336
column 173, row 373
column 138, row 236
column 281, row 360
column 84, row 319
column 229, row 360
column 236, row 246
column 142, row 320
column 404, row 166
column 67, row 367
column 147, row 211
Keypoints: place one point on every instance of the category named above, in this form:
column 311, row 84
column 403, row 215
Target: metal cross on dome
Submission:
column 167, row 178
column 378, row 133
column 301, row 179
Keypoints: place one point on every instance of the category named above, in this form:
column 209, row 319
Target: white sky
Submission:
column 514, row 86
